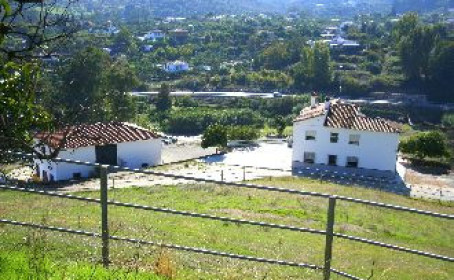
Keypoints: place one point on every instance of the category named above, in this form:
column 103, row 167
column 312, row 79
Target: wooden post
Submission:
column 244, row 173
column 104, row 217
column 329, row 238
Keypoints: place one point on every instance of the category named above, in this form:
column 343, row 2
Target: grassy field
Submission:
column 38, row 252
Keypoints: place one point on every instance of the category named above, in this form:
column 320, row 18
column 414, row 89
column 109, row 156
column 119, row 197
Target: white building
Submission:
column 155, row 35
column 176, row 66
column 112, row 143
column 335, row 136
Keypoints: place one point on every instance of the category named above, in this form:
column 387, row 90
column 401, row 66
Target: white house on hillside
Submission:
column 176, row 66
column 112, row 143
column 336, row 136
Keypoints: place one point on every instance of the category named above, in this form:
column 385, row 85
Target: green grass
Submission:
column 405, row 229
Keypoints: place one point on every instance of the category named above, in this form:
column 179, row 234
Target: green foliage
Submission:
column 280, row 124
column 314, row 69
column 193, row 121
column 164, row 102
column 425, row 144
column 186, row 101
column 94, row 88
column 448, row 120
column 214, row 136
column 353, row 86
column 19, row 113
column 242, row 132
column 442, row 71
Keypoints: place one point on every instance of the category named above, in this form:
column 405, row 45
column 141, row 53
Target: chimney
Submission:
column 314, row 97
column 327, row 103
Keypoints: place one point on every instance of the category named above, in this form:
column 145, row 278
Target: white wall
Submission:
column 135, row 154
column 65, row 171
column 130, row 154
column 376, row 150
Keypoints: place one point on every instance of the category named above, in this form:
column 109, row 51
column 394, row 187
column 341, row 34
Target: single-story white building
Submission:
column 114, row 143
column 176, row 66
column 336, row 136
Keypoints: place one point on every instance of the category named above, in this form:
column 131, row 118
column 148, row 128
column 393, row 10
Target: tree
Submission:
column 24, row 27
column 321, row 67
column 164, row 102
column 303, row 71
column 425, row 144
column 404, row 26
column 19, row 112
column 280, row 124
column 120, row 80
column 124, row 41
column 415, row 50
column 214, row 136
column 441, row 72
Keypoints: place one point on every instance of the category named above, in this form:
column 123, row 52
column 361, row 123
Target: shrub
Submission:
column 425, row 144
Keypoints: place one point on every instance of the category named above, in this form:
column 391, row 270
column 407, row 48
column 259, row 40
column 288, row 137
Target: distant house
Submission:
column 155, row 35
column 336, row 136
column 179, row 36
column 113, row 143
column 147, row 48
column 176, row 66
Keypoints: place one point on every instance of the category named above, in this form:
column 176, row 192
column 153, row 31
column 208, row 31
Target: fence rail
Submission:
column 328, row 232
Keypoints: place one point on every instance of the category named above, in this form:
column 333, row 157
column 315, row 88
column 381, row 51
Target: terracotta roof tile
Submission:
column 310, row 112
column 97, row 134
column 348, row 116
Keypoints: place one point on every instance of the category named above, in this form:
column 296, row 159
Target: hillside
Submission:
column 131, row 9
column 41, row 249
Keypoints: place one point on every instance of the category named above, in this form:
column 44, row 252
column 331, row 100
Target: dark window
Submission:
column 334, row 137
column 310, row 135
column 332, row 160
column 309, row 157
column 352, row 162
column 354, row 139
column 77, row 175
column 144, row 165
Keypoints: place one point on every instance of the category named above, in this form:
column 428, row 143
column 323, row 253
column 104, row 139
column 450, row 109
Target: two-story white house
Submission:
column 113, row 143
column 336, row 136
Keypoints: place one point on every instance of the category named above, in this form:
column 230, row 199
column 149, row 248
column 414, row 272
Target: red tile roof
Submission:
column 311, row 112
column 348, row 116
column 97, row 134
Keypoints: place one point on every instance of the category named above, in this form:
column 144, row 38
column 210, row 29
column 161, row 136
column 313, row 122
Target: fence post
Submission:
column 222, row 175
column 244, row 173
column 104, row 217
column 329, row 238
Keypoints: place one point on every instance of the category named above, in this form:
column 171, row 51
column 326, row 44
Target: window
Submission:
column 309, row 157
column 352, row 162
column 334, row 137
column 332, row 160
column 77, row 176
column 310, row 135
column 353, row 139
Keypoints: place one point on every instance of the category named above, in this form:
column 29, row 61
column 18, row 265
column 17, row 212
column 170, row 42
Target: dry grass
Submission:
column 165, row 265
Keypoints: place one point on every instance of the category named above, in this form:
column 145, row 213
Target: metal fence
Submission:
column 328, row 232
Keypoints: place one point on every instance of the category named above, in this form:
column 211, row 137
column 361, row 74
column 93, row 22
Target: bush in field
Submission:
column 425, row 144
column 214, row 136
